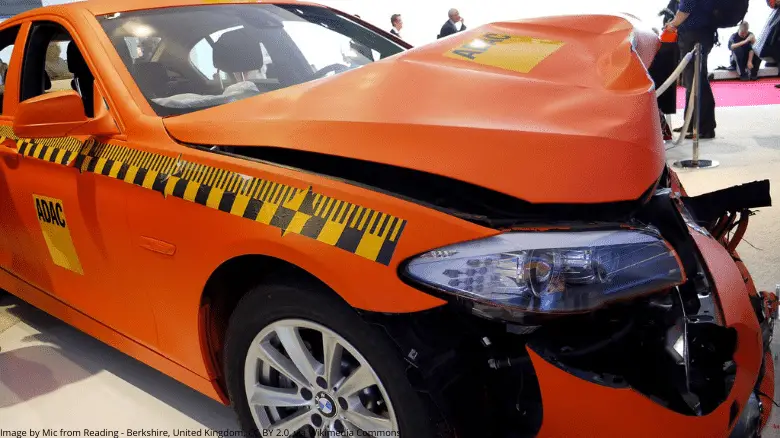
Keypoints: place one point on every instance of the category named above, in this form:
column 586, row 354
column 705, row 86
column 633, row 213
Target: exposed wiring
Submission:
column 754, row 246
column 761, row 394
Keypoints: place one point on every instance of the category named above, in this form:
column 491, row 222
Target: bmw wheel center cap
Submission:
column 325, row 404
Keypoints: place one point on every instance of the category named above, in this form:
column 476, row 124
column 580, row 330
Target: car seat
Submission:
column 238, row 51
column 152, row 79
column 124, row 52
column 83, row 80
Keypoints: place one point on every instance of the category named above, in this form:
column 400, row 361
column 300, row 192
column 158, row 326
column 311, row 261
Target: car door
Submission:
column 9, row 227
column 75, row 221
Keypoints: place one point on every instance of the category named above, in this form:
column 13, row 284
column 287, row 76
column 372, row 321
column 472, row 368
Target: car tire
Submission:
column 268, row 307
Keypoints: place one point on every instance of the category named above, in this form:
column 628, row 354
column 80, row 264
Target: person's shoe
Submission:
column 777, row 85
column 707, row 135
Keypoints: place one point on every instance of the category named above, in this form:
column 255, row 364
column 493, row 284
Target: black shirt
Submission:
column 736, row 38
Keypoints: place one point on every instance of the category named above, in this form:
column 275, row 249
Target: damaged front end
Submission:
column 599, row 330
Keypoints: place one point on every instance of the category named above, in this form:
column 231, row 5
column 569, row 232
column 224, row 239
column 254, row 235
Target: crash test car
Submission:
column 299, row 215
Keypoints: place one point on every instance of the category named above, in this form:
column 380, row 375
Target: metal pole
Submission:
column 697, row 118
column 698, row 78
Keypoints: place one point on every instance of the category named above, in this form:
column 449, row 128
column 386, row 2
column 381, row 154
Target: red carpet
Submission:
column 738, row 93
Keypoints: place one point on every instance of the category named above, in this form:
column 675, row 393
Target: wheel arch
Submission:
column 225, row 287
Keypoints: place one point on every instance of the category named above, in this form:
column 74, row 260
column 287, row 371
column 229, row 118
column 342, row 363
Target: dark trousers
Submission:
column 741, row 55
column 687, row 40
column 661, row 68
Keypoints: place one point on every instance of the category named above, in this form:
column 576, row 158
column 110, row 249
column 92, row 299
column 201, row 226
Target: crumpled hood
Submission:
column 550, row 110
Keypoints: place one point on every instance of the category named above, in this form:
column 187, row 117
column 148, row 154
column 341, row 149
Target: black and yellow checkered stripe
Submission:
column 109, row 153
column 359, row 230
column 45, row 152
column 55, row 150
column 362, row 231
column 219, row 178
column 68, row 143
column 6, row 132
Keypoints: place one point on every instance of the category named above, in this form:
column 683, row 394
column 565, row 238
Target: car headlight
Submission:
column 551, row 272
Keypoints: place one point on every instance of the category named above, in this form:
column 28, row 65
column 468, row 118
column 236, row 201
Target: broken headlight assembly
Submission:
column 551, row 272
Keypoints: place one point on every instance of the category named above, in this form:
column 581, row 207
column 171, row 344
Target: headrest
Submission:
column 238, row 51
column 76, row 63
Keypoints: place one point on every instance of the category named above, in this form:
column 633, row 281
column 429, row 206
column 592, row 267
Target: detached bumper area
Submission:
column 615, row 406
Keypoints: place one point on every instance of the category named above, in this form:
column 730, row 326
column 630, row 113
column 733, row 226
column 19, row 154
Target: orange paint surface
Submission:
column 576, row 123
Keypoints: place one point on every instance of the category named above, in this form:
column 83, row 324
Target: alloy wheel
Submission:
column 302, row 379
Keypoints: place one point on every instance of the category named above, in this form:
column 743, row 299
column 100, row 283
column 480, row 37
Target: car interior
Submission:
column 35, row 78
column 7, row 39
column 238, row 36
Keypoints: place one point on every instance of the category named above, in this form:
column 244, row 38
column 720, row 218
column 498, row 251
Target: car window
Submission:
column 57, row 65
column 47, row 67
column 226, row 52
column 317, row 45
column 142, row 49
column 7, row 39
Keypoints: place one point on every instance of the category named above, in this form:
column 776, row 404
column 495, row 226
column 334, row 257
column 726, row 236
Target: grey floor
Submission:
column 52, row 376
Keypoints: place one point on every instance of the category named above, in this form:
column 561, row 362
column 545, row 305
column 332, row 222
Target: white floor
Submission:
column 52, row 376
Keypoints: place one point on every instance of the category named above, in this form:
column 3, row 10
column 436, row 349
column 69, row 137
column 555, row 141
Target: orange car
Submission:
column 298, row 214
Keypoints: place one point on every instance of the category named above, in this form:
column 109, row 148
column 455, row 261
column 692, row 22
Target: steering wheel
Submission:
column 336, row 68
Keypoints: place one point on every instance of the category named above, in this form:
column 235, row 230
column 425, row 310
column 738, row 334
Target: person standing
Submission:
column 670, row 10
column 694, row 25
column 455, row 24
column 397, row 23
column 741, row 46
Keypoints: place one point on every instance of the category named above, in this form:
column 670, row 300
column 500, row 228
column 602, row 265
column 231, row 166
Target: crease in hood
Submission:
column 548, row 110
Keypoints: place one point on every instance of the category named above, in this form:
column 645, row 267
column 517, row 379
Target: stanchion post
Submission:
column 697, row 99
column 698, row 77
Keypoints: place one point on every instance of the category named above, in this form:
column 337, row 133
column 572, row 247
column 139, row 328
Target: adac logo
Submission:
column 54, row 227
column 50, row 212
column 509, row 52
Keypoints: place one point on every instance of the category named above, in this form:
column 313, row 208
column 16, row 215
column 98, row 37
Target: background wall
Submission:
column 423, row 18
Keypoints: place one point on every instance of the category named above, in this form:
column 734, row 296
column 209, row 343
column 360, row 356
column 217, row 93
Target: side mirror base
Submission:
column 60, row 114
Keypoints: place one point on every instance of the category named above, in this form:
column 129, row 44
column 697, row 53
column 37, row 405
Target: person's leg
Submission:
column 741, row 57
column 756, row 66
column 707, row 124
column 686, row 44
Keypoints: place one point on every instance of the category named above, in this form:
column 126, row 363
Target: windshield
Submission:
column 185, row 59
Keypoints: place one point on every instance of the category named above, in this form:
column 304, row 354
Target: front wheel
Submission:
column 301, row 363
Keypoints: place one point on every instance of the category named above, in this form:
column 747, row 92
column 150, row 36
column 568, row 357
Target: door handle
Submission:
column 158, row 246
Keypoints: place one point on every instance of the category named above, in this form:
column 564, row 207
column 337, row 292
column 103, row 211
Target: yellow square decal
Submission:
column 54, row 226
column 509, row 52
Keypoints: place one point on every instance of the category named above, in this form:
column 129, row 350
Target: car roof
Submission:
column 104, row 7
